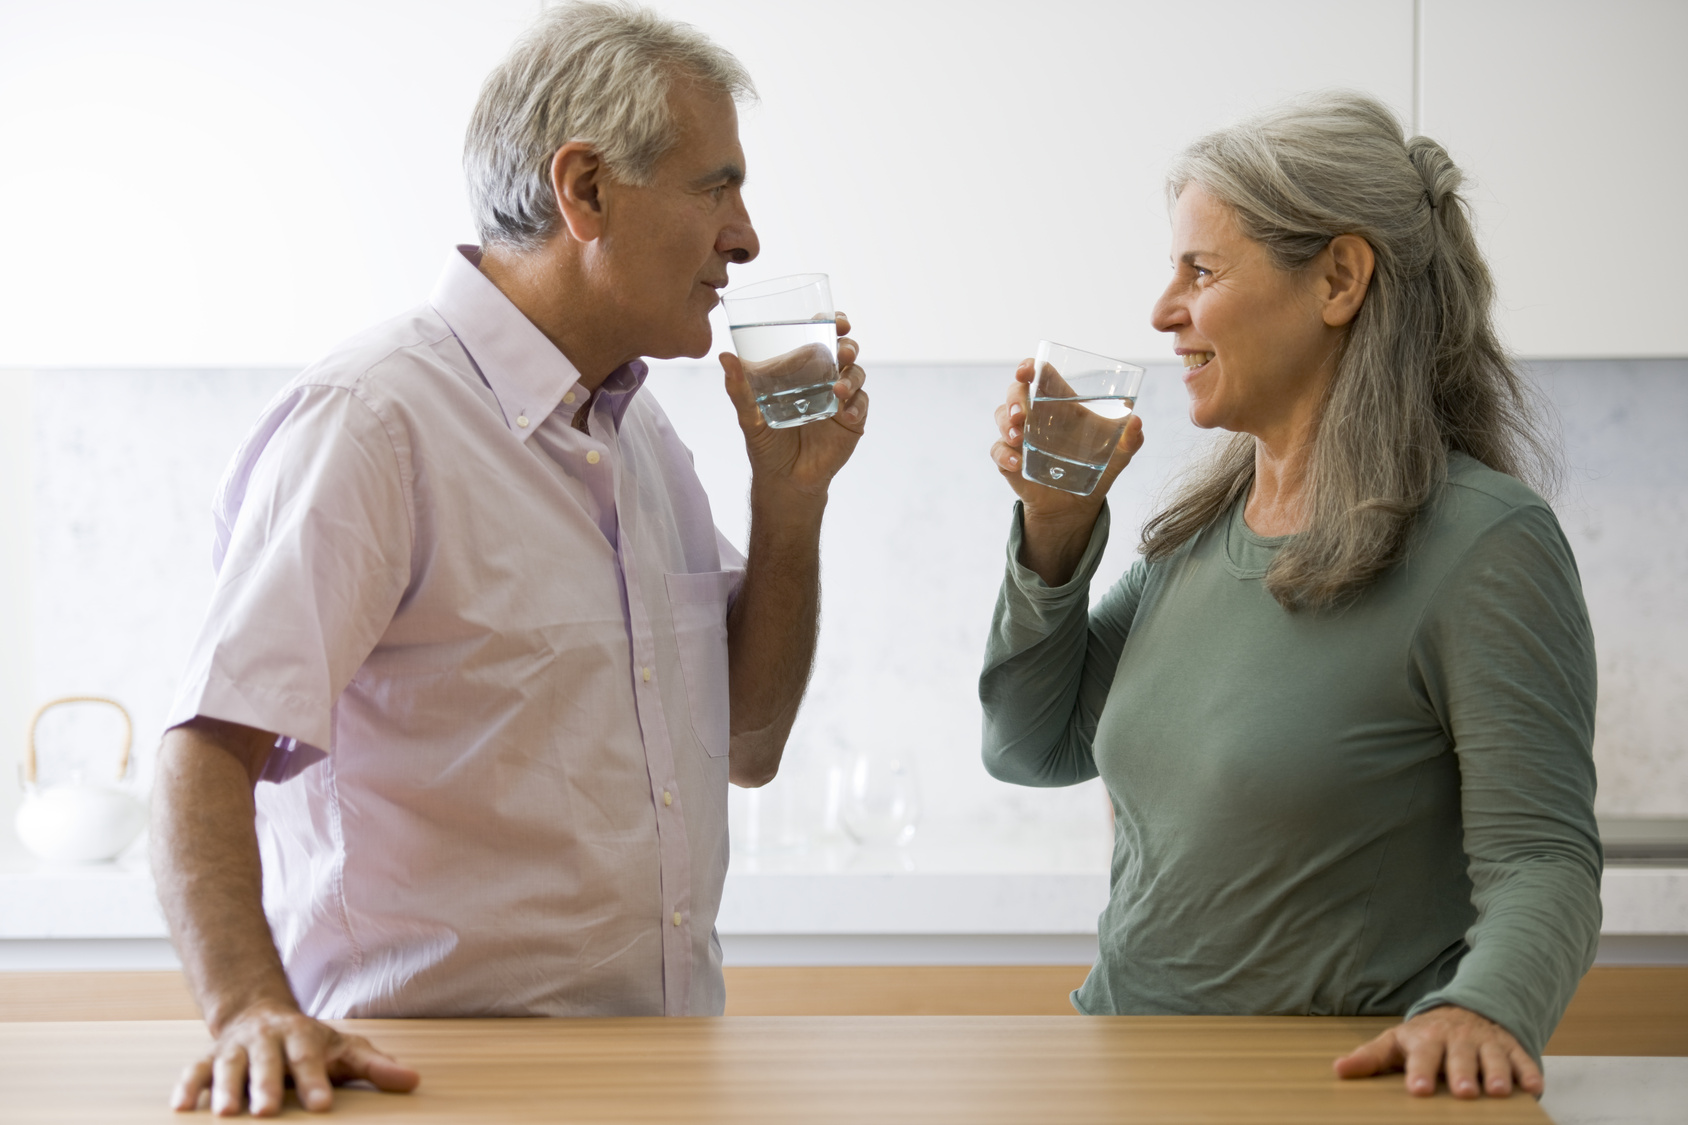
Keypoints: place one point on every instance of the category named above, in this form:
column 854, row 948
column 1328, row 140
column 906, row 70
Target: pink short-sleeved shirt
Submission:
column 495, row 651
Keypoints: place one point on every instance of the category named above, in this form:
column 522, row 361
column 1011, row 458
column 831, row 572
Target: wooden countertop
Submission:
column 789, row 1069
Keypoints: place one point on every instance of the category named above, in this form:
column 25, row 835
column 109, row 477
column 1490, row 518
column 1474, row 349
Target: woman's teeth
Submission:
column 1196, row 359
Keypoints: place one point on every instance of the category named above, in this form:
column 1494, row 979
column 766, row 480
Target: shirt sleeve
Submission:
column 1507, row 656
column 316, row 560
column 1049, row 665
column 733, row 562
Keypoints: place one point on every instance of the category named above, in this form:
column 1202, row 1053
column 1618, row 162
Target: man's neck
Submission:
column 546, row 286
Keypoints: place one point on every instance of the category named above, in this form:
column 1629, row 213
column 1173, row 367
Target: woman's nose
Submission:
column 1168, row 313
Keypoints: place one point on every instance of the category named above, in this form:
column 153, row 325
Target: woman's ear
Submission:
column 577, row 176
column 1347, row 266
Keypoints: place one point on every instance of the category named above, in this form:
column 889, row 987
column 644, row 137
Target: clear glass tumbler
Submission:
column 881, row 799
column 786, row 335
column 1080, row 402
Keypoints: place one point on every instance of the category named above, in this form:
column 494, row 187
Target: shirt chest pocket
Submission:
column 698, row 604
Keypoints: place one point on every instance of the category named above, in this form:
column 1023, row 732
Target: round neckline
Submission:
column 1248, row 554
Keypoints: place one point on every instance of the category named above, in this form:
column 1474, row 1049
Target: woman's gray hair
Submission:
column 1421, row 372
column 591, row 72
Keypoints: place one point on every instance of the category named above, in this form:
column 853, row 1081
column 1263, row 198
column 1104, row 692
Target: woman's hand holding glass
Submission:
column 1057, row 524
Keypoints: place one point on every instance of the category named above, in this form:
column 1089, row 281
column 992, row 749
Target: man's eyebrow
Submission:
column 730, row 174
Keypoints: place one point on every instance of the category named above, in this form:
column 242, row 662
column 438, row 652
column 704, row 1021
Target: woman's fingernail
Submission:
column 1013, row 461
column 1014, row 411
column 1013, row 433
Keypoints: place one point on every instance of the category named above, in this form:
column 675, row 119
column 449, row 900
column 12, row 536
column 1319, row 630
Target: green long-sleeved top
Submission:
column 1366, row 812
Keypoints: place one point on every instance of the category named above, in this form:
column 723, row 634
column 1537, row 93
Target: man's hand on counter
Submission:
column 210, row 884
column 263, row 1045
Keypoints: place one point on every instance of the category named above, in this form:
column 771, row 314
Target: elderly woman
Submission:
column 1344, row 703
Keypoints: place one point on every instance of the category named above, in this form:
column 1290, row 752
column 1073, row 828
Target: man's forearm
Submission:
column 771, row 631
column 205, row 861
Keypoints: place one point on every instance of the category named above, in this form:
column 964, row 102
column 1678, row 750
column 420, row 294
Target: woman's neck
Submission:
column 1277, row 500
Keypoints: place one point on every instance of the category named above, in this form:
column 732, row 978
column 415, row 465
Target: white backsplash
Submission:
column 126, row 462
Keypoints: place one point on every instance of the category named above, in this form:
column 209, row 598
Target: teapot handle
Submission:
column 128, row 732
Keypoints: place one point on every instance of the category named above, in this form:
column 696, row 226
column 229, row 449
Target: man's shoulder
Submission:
column 369, row 387
column 377, row 362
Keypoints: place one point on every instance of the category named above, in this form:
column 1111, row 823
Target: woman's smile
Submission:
column 1194, row 363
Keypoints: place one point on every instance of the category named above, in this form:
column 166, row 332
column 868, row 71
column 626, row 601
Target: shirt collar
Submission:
column 527, row 373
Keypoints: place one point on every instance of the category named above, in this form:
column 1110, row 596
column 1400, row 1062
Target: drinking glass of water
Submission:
column 785, row 334
column 1080, row 402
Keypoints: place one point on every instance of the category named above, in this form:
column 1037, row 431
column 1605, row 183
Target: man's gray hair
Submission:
column 592, row 72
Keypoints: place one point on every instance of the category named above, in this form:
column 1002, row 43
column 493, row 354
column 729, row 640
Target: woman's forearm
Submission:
column 1051, row 545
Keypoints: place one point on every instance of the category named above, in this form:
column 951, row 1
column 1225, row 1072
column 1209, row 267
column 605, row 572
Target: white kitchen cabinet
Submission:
column 1570, row 117
column 975, row 174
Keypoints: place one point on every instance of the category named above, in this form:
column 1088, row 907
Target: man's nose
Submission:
column 738, row 241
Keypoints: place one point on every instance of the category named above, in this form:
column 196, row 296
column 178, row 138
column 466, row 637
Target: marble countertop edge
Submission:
column 117, row 901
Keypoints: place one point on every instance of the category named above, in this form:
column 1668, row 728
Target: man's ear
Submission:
column 1347, row 264
column 577, row 177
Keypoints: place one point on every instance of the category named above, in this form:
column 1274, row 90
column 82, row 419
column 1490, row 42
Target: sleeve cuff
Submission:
column 1029, row 585
column 293, row 720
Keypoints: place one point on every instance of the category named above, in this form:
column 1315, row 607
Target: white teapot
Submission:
column 78, row 821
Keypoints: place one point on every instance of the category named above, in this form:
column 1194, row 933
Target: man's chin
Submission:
column 687, row 349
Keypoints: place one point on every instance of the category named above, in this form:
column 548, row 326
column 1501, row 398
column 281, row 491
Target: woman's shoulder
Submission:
column 1481, row 511
column 1477, row 490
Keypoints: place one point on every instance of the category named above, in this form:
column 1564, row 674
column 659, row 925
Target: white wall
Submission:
column 1572, row 118
column 17, row 642
column 125, row 463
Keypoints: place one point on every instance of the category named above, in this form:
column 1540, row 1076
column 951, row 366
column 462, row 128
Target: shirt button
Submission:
column 521, row 420
column 667, row 797
column 569, row 398
column 676, row 917
column 592, row 457
column 647, row 674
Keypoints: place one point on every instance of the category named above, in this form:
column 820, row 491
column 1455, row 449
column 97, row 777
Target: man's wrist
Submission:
column 219, row 1014
column 786, row 507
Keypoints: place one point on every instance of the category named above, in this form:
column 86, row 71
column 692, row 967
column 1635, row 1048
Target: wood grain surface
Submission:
column 1618, row 1010
column 746, row 1070
column 902, row 990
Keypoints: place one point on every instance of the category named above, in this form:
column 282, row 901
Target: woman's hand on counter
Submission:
column 1453, row 1041
column 263, row 1045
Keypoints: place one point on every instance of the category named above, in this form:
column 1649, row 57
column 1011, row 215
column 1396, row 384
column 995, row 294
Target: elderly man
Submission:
column 473, row 620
